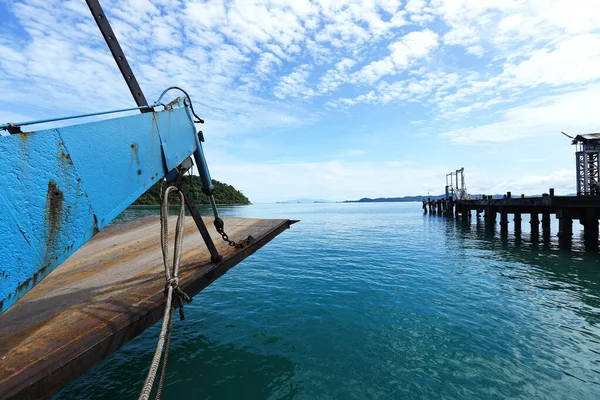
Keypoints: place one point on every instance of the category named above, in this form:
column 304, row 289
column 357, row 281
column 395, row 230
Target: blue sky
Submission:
column 332, row 99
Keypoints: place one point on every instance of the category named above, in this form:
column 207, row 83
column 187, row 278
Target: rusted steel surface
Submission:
column 105, row 294
column 58, row 192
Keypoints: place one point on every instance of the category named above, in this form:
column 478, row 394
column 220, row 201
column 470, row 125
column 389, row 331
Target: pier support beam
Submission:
column 503, row 222
column 465, row 215
column 490, row 217
column 450, row 209
column 535, row 224
column 590, row 233
column 565, row 229
column 517, row 222
column 546, row 227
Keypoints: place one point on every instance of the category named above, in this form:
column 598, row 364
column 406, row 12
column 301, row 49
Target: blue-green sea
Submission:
column 378, row 301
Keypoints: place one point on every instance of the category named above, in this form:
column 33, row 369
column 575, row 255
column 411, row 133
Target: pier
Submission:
column 104, row 295
column 585, row 209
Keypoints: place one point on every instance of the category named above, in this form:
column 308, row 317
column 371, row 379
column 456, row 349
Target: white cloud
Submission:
column 403, row 52
column 476, row 50
column 572, row 60
column 333, row 180
column 337, row 180
column 562, row 180
column 412, row 46
column 240, row 58
column 415, row 6
column 374, row 71
column 547, row 117
column 266, row 64
column 294, row 84
column 335, row 76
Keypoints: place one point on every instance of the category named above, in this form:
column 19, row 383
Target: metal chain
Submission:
column 220, row 225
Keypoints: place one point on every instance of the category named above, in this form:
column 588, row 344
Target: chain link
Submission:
column 220, row 225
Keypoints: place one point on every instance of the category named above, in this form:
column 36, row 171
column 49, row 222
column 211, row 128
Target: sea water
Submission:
column 378, row 301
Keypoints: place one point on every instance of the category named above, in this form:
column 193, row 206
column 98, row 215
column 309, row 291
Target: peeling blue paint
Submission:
column 61, row 186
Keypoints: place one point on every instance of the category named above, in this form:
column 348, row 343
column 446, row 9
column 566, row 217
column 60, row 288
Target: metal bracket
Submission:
column 14, row 129
column 117, row 52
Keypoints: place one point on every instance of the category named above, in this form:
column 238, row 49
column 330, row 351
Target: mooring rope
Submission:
column 171, row 289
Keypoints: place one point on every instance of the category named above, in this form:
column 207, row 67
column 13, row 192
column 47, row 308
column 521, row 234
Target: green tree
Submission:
column 224, row 193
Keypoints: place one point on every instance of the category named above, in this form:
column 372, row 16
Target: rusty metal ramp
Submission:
column 104, row 295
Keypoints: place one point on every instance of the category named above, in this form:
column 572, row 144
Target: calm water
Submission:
column 377, row 301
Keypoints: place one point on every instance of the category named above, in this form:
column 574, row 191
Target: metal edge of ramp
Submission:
column 47, row 375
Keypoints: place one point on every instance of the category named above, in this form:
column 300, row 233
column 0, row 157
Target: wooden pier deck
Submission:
column 104, row 295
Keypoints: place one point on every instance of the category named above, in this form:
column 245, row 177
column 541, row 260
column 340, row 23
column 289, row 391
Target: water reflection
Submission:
column 540, row 262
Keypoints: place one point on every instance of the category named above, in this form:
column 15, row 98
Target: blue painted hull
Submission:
column 61, row 186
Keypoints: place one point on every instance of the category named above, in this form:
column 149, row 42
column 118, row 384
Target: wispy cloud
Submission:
column 541, row 118
column 475, row 71
column 234, row 53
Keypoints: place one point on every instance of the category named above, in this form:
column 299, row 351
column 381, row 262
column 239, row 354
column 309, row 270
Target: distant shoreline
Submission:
column 405, row 199
column 177, row 205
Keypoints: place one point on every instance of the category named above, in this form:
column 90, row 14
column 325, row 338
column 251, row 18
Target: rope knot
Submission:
column 180, row 295
column 173, row 282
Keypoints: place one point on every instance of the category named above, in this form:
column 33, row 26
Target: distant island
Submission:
column 304, row 201
column 224, row 193
column 407, row 199
column 394, row 199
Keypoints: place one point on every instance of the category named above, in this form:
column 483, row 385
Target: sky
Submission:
column 332, row 99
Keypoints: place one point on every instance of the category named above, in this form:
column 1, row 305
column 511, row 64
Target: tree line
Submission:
column 224, row 193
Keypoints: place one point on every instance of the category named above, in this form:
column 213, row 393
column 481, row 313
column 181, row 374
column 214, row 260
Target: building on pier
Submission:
column 587, row 155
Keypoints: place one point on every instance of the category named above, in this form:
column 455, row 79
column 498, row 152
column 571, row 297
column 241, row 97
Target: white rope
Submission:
column 171, row 288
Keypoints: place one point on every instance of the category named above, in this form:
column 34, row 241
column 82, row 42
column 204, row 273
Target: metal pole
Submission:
column 457, row 187
column 43, row 121
column 189, row 201
column 117, row 52
column 586, row 187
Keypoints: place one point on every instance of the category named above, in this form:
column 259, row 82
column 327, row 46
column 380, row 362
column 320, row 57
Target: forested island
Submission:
column 224, row 193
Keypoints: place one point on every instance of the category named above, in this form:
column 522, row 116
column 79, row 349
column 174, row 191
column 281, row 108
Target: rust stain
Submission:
column 31, row 282
column 136, row 153
column 65, row 157
column 53, row 216
column 95, row 227
column 14, row 341
column 24, row 142
column 54, row 209
column 170, row 105
column 24, row 135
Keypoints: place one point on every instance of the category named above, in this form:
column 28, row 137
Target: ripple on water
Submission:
column 379, row 301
